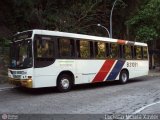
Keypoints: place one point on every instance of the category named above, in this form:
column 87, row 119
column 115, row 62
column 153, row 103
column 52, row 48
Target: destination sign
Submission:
column 23, row 35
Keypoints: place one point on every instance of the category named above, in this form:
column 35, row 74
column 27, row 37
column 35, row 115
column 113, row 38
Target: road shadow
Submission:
column 106, row 84
column 36, row 91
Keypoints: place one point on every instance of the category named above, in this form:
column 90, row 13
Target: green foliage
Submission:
column 145, row 23
column 146, row 33
column 4, row 42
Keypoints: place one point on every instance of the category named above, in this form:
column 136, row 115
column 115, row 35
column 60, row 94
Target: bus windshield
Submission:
column 21, row 54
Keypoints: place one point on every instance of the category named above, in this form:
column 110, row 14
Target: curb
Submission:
column 154, row 73
column 6, row 86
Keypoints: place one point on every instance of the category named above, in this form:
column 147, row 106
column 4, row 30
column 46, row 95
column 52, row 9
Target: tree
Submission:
column 145, row 23
column 74, row 16
column 80, row 16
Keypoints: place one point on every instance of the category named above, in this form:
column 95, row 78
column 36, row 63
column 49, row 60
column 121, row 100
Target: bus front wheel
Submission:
column 124, row 76
column 64, row 83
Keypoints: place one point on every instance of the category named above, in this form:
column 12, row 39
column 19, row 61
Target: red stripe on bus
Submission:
column 100, row 76
column 121, row 41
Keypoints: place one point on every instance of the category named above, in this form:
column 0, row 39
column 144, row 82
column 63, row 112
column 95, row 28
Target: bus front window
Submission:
column 21, row 54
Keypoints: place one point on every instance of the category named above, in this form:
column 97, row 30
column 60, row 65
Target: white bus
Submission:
column 43, row 58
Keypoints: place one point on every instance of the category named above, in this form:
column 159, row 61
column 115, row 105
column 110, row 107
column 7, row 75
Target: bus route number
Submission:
column 132, row 64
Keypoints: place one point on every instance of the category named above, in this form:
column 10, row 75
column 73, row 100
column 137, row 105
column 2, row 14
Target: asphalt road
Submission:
column 105, row 98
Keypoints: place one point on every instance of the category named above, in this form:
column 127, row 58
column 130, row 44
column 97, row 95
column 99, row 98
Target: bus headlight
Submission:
column 29, row 77
column 27, row 83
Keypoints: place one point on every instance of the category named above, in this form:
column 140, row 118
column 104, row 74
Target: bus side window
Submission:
column 128, row 52
column 100, row 50
column 66, row 48
column 145, row 53
column 138, row 51
column 114, row 50
column 45, row 48
column 44, row 51
column 84, row 49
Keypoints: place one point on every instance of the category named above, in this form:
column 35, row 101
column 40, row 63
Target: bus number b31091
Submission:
column 132, row 64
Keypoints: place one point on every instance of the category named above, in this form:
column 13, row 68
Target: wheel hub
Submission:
column 65, row 83
column 124, row 77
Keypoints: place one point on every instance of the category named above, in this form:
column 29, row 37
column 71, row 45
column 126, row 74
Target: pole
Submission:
column 111, row 18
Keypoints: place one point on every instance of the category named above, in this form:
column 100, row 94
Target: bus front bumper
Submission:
column 24, row 83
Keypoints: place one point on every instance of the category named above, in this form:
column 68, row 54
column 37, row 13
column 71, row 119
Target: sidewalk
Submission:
column 3, row 77
column 5, row 85
column 154, row 73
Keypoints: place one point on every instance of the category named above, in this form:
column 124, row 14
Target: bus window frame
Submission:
column 108, row 50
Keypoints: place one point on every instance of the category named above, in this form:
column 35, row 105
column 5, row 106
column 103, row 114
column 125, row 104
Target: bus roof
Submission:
column 83, row 36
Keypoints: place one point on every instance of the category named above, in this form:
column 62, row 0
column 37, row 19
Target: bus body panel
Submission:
column 136, row 68
column 87, row 69
column 47, row 76
column 22, row 77
column 20, row 74
column 84, row 71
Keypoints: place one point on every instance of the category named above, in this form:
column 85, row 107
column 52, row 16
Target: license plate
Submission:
column 17, row 76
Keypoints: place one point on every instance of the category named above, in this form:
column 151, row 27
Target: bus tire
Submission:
column 64, row 83
column 124, row 76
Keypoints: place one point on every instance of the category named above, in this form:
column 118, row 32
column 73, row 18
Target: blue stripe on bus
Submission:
column 115, row 71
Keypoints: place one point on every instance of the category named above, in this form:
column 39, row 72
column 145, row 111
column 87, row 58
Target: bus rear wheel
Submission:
column 124, row 76
column 64, row 83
